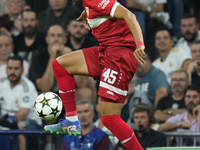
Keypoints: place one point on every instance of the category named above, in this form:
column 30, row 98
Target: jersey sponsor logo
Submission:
column 109, row 92
column 87, row 11
column 104, row 3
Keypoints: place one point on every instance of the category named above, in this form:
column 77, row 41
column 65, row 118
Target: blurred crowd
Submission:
column 164, row 94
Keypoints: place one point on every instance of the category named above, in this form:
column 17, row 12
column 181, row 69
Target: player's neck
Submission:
column 76, row 43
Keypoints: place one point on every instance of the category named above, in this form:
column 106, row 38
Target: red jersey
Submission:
column 108, row 30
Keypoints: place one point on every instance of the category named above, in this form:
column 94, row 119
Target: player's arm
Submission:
column 123, row 13
column 22, row 113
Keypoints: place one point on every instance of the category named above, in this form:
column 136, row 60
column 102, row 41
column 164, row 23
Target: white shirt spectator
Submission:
column 173, row 62
column 183, row 45
column 23, row 95
column 3, row 73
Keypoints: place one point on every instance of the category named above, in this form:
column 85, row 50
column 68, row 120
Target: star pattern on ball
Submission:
column 56, row 97
column 45, row 102
column 40, row 114
column 54, row 111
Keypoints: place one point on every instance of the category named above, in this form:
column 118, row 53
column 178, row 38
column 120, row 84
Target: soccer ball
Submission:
column 48, row 105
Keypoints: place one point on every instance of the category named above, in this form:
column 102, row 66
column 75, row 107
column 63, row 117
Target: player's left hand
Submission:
column 139, row 54
column 85, row 23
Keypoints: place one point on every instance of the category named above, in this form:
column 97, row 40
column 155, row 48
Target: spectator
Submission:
column 12, row 21
column 58, row 13
column 150, row 16
column 98, row 123
column 173, row 104
column 91, row 137
column 190, row 32
column 6, row 49
column 171, row 59
column 189, row 120
column 152, row 81
column 17, row 97
column 194, row 66
column 29, row 40
column 78, row 37
column 143, row 118
column 41, row 72
column 136, row 97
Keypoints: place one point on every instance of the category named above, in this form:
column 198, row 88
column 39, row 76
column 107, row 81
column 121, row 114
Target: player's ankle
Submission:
column 72, row 118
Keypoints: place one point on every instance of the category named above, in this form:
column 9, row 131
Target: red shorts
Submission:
column 115, row 67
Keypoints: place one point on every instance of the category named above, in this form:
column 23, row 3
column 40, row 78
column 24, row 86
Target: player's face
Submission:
column 192, row 99
column 195, row 50
column 189, row 29
column 56, row 35
column 85, row 115
column 77, row 29
column 163, row 42
column 6, row 48
column 29, row 23
column 141, row 121
column 179, row 82
column 14, row 70
column 15, row 6
column 57, row 5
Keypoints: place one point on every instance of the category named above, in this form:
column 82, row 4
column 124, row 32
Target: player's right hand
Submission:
column 85, row 23
column 139, row 54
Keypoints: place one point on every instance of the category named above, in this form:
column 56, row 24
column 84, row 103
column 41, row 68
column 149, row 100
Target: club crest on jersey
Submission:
column 87, row 11
column 104, row 3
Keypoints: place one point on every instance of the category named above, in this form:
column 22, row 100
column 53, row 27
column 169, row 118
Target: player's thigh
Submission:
column 110, row 108
column 74, row 63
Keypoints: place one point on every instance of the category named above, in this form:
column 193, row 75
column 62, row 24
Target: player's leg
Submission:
column 64, row 68
column 112, row 120
column 113, row 88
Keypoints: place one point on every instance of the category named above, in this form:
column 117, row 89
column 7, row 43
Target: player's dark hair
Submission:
column 16, row 58
column 142, row 107
column 188, row 15
column 163, row 28
column 29, row 10
column 193, row 88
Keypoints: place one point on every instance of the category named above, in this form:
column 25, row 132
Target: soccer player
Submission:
column 114, row 62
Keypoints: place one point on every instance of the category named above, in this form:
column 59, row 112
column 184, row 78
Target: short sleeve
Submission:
column 182, row 56
column 161, row 104
column 174, row 119
column 106, row 7
column 161, row 81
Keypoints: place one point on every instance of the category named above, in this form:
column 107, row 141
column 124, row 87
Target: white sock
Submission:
column 72, row 118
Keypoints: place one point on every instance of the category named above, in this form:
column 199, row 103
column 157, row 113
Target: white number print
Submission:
column 110, row 75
